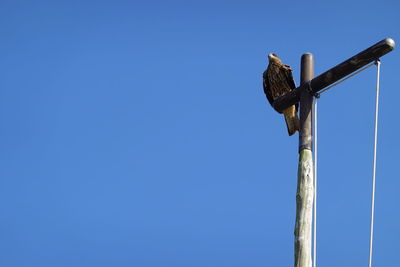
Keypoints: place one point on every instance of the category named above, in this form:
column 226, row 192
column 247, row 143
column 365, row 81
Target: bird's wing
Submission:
column 267, row 88
column 289, row 77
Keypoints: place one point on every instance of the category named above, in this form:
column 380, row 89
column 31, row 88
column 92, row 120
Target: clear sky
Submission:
column 136, row 133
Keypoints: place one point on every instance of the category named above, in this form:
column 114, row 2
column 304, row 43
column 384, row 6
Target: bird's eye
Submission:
column 275, row 55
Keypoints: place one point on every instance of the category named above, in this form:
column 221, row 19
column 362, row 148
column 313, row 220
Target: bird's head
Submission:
column 272, row 57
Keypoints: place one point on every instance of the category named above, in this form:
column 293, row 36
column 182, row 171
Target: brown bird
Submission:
column 277, row 81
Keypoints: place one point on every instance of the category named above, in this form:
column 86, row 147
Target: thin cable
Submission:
column 314, row 119
column 348, row 77
column 378, row 64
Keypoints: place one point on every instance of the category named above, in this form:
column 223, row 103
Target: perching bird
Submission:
column 277, row 81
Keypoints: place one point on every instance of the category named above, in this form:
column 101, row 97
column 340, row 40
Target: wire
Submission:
column 346, row 78
column 314, row 120
column 378, row 70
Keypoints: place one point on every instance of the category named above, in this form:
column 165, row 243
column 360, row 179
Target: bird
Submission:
column 277, row 81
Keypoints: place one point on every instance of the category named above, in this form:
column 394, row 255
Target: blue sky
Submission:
column 137, row 133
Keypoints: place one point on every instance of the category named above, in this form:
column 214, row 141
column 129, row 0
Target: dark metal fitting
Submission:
column 309, row 90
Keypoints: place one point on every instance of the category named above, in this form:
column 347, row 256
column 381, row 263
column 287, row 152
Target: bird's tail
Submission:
column 292, row 120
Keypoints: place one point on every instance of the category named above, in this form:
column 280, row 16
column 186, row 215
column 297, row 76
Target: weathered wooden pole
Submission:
column 305, row 187
column 304, row 94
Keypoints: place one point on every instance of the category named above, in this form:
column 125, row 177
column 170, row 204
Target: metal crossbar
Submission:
column 346, row 78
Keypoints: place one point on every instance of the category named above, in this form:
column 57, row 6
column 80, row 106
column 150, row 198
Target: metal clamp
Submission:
column 309, row 90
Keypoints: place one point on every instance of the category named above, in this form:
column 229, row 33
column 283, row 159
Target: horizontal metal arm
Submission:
column 336, row 73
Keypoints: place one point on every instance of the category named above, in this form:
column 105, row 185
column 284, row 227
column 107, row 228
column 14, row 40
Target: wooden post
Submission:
column 305, row 187
column 309, row 86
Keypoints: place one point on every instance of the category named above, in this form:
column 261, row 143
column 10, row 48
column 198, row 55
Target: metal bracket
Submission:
column 309, row 90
